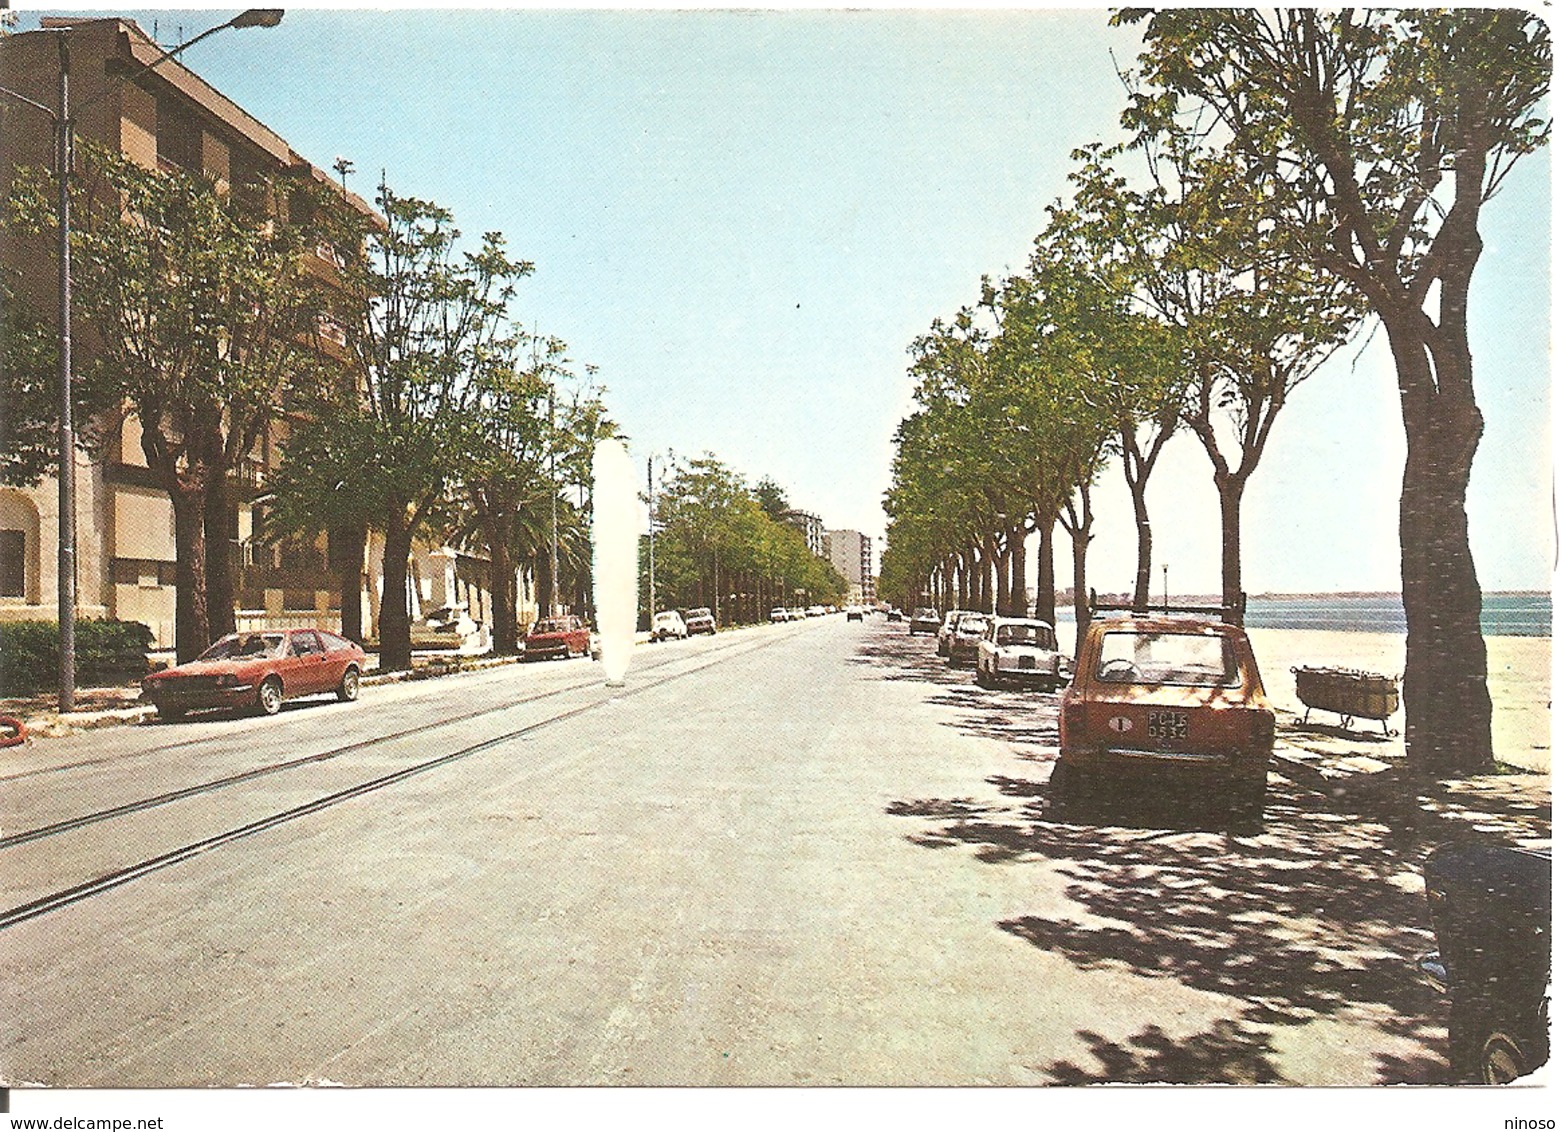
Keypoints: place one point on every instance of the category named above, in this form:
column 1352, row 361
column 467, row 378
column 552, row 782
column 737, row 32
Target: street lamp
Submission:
column 64, row 160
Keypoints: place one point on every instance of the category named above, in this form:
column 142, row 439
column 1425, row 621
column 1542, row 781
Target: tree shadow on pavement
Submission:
column 1317, row 917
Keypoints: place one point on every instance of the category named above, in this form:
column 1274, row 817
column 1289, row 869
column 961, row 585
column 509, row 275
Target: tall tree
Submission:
column 206, row 317
column 431, row 328
column 1379, row 135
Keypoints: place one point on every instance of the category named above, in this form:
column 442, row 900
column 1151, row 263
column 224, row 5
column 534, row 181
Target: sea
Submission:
column 1504, row 614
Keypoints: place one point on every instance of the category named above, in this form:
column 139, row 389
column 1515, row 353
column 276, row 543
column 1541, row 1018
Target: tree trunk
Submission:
column 396, row 638
column 1019, row 576
column 502, row 592
column 1138, row 502
column 986, row 558
column 1002, row 580
column 1080, row 537
column 222, row 534
column 192, row 626
column 1043, row 609
column 345, row 548
column 1445, row 688
column 1230, row 494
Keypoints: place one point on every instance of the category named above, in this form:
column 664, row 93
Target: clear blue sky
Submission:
column 743, row 220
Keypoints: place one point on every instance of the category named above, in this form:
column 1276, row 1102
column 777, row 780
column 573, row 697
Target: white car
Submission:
column 947, row 629
column 796, row 614
column 816, row 611
column 1022, row 651
column 669, row 625
column 779, row 615
column 970, row 629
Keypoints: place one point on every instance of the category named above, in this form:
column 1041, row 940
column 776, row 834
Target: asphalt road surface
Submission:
column 796, row 854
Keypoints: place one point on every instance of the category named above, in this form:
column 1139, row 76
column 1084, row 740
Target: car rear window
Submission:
column 1040, row 635
column 1196, row 660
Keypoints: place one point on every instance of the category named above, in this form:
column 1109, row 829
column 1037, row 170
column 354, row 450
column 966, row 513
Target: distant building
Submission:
column 811, row 527
column 852, row 554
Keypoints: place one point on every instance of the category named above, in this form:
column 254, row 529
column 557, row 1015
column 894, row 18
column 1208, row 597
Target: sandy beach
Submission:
column 1519, row 681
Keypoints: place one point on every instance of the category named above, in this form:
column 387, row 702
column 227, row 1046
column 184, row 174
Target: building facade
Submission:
column 167, row 118
column 852, row 555
column 811, row 527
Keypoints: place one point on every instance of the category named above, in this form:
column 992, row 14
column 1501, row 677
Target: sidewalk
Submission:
column 121, row 705
column 1366, row 771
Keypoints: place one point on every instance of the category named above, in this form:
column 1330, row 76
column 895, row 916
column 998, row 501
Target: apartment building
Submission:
column 852, row 555
column 810, row 526
column 165, row 118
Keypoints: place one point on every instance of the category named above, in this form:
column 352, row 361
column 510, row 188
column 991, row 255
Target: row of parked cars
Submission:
column 677, row 624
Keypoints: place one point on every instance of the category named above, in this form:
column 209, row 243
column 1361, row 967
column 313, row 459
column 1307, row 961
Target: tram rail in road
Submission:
column 118, row 877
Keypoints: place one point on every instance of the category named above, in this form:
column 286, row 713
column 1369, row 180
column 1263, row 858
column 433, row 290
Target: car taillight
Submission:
column 1073, row 714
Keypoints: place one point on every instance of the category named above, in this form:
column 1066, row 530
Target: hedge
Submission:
column 30, row 653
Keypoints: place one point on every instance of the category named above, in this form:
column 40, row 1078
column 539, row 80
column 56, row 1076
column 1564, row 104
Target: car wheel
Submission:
column 1486, row 1050
column 348, row 689
column 270, row 696
column 1249, row 805
column 1064, row 781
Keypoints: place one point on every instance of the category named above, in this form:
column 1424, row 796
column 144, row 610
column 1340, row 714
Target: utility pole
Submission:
column 554, row 518
column 67, row 475
column 652, row 547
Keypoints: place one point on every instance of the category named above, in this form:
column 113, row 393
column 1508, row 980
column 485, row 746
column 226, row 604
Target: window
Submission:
column 179, row 137
column 1192, row 659
column 304, row 644
column 13, row 563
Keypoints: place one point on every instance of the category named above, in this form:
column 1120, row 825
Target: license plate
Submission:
column 1168, row 726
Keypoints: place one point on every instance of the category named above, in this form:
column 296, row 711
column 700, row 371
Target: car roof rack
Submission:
column 1231, row 612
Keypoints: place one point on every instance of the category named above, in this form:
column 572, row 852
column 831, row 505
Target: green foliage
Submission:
column 718, row 547
column 29, row 394
column 30, row 653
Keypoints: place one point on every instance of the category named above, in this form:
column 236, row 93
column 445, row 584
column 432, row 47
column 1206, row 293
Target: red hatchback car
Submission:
column 259, row 670
column 557, row 636
column 1172, row 693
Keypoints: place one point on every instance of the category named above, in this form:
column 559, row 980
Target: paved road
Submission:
column 797, row 854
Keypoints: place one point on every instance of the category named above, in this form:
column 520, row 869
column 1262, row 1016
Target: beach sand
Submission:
column 1519, row 681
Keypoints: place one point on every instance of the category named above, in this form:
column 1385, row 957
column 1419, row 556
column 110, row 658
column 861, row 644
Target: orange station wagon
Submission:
column 1176, row 694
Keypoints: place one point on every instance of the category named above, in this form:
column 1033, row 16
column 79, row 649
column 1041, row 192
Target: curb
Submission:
column 55, row 726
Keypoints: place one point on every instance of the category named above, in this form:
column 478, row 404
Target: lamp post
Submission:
column 64, row 159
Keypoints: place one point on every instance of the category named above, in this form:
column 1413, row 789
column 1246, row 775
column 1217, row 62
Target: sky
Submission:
column 744, row 219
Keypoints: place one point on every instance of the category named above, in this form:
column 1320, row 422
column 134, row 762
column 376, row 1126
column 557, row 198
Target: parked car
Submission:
column 700, row 620
column 1172, row 693
column 855, row 613
column 923, row 621
column 1019, row 650
column 815, row 611
column 669, row 625
column 970, row 629
column 947, row 629
column 779, row 615
column 1490, row 908
column 258, row 670
column 557, row 636
column 893, row 614
column 796, row 613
